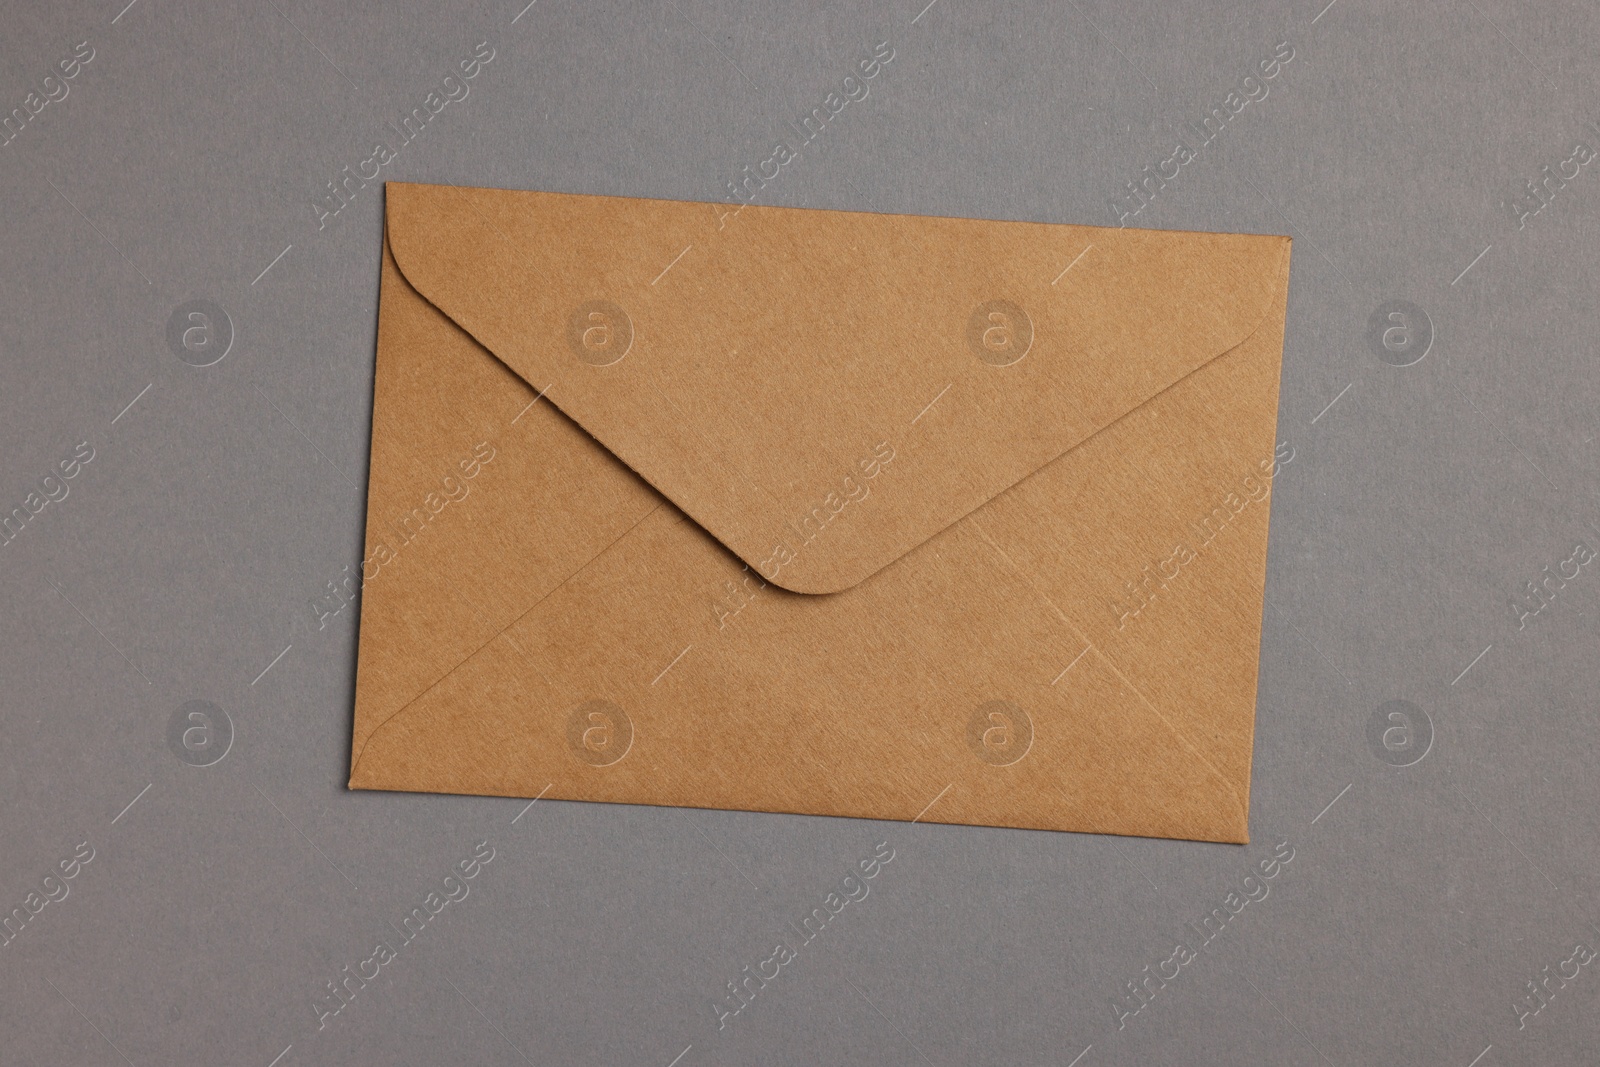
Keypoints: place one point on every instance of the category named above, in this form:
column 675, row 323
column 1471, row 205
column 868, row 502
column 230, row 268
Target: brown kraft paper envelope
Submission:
column 822, row 512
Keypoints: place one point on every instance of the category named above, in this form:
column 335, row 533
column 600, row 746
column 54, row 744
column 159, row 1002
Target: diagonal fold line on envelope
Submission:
column 688, row 425
column 498, row 633
column 1110, row 665
column 962, row 553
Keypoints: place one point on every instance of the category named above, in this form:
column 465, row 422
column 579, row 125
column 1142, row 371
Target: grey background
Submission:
column 187, row 156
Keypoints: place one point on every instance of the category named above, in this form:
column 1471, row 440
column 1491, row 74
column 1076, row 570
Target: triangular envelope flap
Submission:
column 824, row 390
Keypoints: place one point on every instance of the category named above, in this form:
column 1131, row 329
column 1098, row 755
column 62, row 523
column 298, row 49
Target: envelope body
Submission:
column 819, row 512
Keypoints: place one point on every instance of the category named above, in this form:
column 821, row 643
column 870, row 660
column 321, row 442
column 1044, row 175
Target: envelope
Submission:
column 821, row 512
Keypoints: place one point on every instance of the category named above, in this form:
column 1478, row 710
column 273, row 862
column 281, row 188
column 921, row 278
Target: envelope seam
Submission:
column 1101, row 656
column 447, row 675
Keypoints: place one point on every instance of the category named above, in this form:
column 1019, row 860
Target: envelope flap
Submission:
column 823, row 391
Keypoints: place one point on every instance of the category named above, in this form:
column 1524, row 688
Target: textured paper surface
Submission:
column 607, row 612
